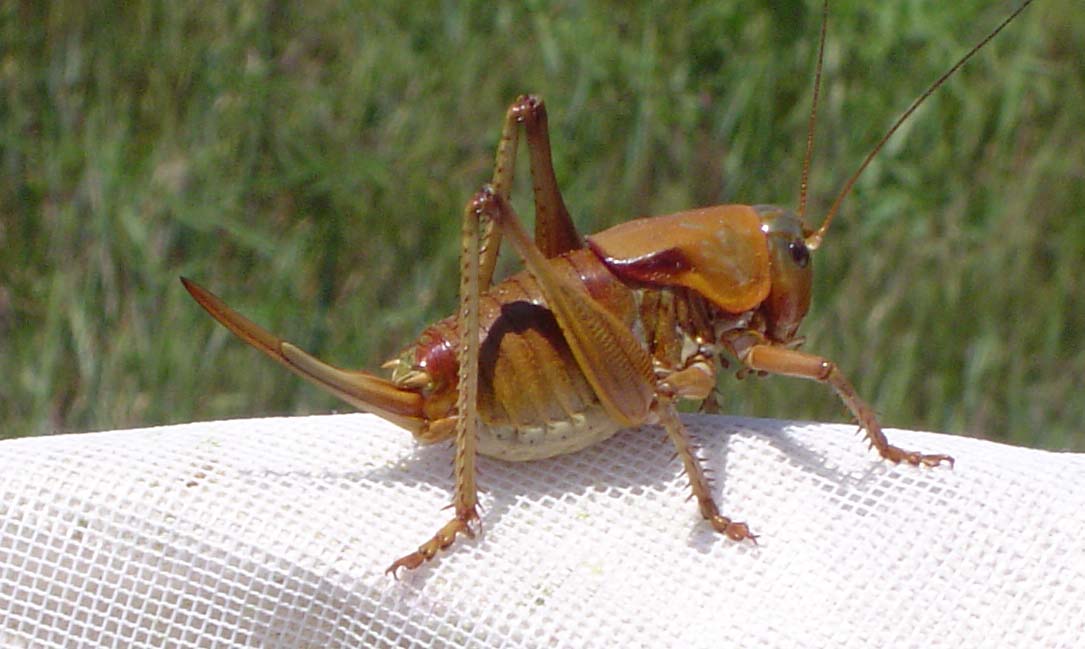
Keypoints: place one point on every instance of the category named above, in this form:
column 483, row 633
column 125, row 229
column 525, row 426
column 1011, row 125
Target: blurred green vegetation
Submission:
column 309, row 163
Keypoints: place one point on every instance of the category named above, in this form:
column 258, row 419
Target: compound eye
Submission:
column 800, row 254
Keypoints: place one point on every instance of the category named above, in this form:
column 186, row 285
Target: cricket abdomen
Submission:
column 535, row 442
column 533, row 399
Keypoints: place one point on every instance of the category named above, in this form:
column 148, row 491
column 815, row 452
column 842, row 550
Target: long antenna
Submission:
column 814, row 240
column 804, row 183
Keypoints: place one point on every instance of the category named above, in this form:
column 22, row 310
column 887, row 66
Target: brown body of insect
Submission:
column 596, row 334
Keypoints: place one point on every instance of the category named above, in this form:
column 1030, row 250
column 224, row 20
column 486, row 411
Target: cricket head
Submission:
column 790, row 272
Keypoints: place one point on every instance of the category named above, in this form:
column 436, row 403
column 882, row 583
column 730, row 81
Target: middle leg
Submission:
column 698, row 481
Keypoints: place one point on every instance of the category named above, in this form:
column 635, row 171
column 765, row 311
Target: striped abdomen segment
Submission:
column 534, row 401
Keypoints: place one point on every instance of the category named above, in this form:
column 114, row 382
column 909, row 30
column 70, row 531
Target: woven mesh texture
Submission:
column 276, row 533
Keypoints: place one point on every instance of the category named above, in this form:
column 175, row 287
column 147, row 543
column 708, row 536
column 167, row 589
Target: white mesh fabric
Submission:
column 276, row 533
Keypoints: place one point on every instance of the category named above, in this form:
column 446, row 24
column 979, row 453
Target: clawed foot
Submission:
column 441, row 540
column 897, row 455
column 734, row 531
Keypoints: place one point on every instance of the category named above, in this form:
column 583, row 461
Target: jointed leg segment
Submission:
column 555, row 232
column 759, row 355
column 465, row 501
column 698, row 481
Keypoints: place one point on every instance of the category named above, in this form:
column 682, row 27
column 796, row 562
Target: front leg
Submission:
column 759, row 355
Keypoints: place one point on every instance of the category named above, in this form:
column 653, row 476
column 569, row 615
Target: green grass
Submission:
column 310, row 166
